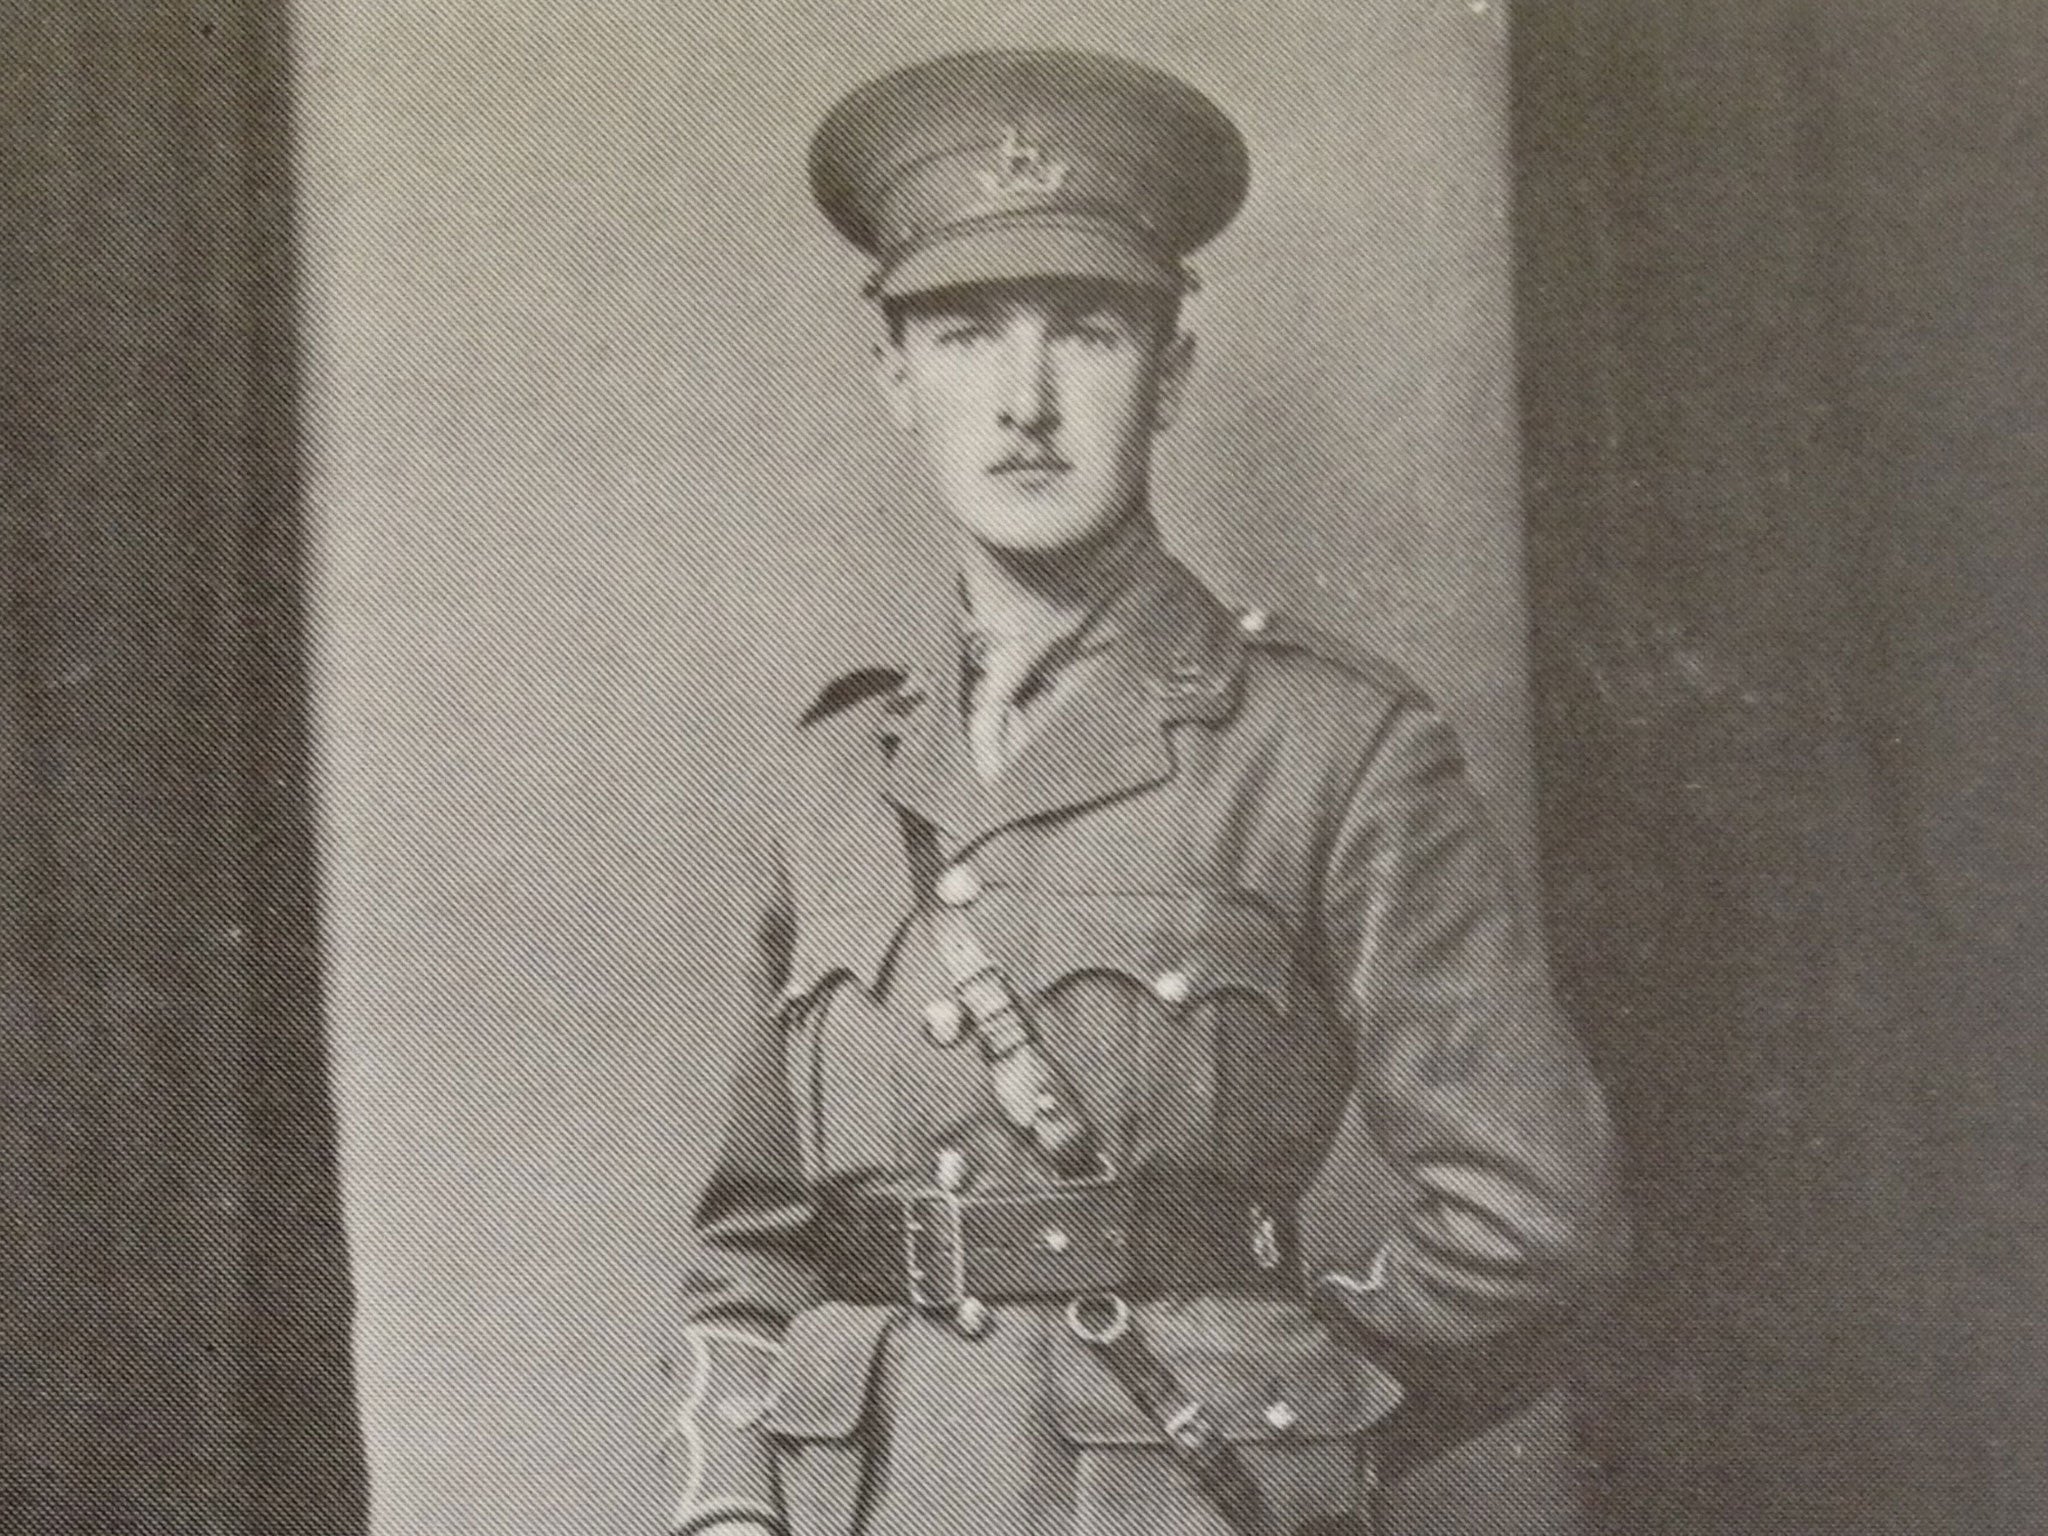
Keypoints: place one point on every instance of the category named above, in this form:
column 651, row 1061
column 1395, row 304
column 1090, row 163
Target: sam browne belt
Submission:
column 1040, row 1102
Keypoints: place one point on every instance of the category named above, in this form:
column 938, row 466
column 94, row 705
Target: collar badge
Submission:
column 1188, row 676
column 1022, row 169
column 909, row 693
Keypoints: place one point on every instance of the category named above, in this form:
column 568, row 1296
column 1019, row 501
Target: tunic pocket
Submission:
column 818, row 1412
column 1193, row 1027
column 834, row 1051
column 833, row 944
column 1300, row 1410
column 1183, row 947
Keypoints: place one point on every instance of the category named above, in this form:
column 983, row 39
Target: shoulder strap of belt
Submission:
column 1037, row 1099
column 1035, row 1096
column 1191, row 1436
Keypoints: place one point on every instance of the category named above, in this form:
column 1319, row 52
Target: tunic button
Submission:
column 943, row 1019
column 1055, row 1240
column 1281, row 1416
column 950, row 1170
column 959, row 886
column 742, row 1412
column 1172, row 987
column 972, row 1317
column 1254, row 621
column 1266, row 1243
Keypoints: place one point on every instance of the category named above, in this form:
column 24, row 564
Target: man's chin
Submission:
column 1031, row 533
column 1041, row 549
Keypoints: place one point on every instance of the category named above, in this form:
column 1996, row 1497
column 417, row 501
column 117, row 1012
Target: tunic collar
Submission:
column 1163, row 652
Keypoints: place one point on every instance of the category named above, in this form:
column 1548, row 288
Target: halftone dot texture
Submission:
column 601, row 493
column 993, row 166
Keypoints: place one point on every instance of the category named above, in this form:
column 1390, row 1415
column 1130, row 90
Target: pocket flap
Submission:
column 825, row 1372
column 1263, row 1370
column 1182, row 945
column 840, row 942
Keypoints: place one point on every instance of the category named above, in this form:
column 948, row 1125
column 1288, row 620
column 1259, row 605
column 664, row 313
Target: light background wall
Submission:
column 599, row 491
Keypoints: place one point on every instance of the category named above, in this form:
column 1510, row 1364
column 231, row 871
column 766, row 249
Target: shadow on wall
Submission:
column 1780, row 282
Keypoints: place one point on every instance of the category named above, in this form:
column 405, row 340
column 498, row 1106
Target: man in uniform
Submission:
column 1151, row 1110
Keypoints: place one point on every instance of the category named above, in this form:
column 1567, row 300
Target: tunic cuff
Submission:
column 719, row 1459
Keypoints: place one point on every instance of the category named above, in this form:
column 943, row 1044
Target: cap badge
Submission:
column 1022, row 170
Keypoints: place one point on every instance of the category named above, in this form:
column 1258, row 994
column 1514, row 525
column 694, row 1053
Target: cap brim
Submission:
column 1017, row 250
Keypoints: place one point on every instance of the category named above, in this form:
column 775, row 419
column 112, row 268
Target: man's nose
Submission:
column 1031, row 402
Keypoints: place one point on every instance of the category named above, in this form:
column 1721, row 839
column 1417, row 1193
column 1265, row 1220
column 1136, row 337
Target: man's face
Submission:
column 1032, row 406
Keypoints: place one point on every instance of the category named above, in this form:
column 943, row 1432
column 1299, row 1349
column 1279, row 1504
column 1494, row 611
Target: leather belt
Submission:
column 952, row 1243
column 935, row 1250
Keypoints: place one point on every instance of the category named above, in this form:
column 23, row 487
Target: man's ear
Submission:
column 892, row 378
column 1176, row 363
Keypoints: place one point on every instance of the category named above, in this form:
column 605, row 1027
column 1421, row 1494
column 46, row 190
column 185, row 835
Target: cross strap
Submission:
column 1105, row 1324
column 1040, row 1103
column 1034, row 1094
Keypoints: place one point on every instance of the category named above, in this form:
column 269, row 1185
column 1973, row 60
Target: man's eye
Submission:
column 961, row 335
column 1094, row 336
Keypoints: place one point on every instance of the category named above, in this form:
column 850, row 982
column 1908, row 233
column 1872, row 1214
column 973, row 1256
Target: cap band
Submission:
column 1016, row 247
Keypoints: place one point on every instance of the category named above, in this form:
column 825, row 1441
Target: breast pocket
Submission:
column 1299, row 1411
column 833, row 944
column 837, row 1053
column 1182, row 948
column 1208, row 1042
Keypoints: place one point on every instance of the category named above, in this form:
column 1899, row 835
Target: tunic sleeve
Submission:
column 1470, row 1085
column 749, row 1270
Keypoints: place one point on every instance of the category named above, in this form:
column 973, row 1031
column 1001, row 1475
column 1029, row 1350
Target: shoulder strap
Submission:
column 1034, row 1094
column 1039, row 1102
column 1264, row 630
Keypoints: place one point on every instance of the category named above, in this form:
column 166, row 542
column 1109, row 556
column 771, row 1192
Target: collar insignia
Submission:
column 1022, row 170
column 1189, row 677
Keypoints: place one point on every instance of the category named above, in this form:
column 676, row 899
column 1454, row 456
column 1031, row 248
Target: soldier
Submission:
column 1151, row 1105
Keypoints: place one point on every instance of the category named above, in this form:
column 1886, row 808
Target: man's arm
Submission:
column 750, row 1270
column 1473, row 1091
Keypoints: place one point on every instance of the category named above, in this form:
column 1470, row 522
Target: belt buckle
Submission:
column 917, row 1209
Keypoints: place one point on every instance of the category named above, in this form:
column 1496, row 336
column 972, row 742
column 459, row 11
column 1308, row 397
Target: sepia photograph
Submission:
column 1134, row 769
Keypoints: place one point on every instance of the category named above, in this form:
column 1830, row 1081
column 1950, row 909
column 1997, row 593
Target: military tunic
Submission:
column 1248, row 901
